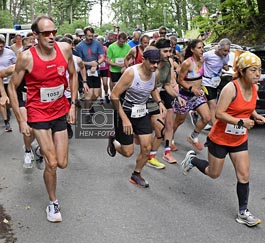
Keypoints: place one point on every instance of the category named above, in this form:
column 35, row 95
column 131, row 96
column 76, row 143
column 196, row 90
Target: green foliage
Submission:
column 5, row 19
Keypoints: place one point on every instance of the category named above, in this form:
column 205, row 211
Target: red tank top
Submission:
column 139, row 57
column 239, row 108
column 45, row 84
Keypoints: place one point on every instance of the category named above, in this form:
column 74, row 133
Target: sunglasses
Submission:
column 162, row 33
column 154, row 62
column 48, row 33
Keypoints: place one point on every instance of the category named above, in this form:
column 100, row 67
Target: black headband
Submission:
column 152, row 54
column 164, row 44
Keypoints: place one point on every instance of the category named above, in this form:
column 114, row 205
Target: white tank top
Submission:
column 139, row 91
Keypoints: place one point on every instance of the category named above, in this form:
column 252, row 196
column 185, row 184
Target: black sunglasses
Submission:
column 48, row 33
column 162, row 33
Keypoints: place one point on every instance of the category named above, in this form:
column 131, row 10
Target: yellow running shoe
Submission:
column 154, row 162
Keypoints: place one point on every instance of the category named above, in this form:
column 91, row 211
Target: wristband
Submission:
column 160, row 101
column 97, row 62
column 190, row 88
column 84, row 81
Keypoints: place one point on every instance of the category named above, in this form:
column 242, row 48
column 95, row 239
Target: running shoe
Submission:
column 194, row 117
column 53, row 213
column 207, row 127
column 8, row 127
column 186, row 163
column 195, row 143
column 169, row 158
column 107, row 99
column 139, row 181
column 101, row 101
column 111, row 148
column 39, row 160
column 155, row 163
column 173, row 147
column 28, row 160
column 247, row 218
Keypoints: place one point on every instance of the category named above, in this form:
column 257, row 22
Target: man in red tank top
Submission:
column 44, row 67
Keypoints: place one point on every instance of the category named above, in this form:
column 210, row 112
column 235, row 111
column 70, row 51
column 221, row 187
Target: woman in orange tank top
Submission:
column 229, row 134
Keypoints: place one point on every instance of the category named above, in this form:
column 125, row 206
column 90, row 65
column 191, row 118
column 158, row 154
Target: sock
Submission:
column 54, row 202
column 200, row 164
column 194, row 134
column 27, row 151
column 152, row 154
column 6, row 121
column 242, row 190
column 136, row 173
column 167, row 148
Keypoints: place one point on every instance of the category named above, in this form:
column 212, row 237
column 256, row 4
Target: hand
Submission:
column 72, row 115
column 197, row 92
column 163, row 110
column 259, row 119
column 248, row 123
column 4, row 100
column 86, row 88
column 181, row 101
column 127, row 126
column 24, row 128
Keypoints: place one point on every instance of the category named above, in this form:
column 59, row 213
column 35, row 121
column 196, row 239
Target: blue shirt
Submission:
column 132, row 44
column 89, row 52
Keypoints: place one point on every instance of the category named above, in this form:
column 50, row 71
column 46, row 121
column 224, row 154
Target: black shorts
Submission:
column 56, row 125
column 94, row 82
column 104, row 73
column 141, row 126
column 167, row 98
column 220, row 151
column 115, row 77
column 21, row 103
column 152, row 107
column 212, row 93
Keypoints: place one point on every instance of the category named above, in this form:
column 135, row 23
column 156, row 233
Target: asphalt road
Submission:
column 100, row 205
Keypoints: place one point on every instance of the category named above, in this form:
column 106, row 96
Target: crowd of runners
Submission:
column 151, row 84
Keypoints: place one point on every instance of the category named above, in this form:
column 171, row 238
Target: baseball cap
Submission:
column 79, row 32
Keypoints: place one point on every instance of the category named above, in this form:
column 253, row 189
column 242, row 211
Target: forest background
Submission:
column 242, row 21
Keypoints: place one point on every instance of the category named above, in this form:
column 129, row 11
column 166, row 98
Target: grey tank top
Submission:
column 139, row 90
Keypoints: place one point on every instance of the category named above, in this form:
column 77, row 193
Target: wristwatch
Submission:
column 73, row 103
column 240, row 123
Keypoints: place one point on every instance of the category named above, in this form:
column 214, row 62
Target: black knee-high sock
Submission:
column 242, row 190
column 200, row 164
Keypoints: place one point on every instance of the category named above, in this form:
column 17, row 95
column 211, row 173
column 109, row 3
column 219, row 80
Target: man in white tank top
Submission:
column 137, row 82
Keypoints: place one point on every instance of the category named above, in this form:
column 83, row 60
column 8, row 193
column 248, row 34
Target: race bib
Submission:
column 138, row 111
column 235, row 130
column 119, row 61
column 215, row 81
column 89, row 73
column 51, row 94
column 102, row 65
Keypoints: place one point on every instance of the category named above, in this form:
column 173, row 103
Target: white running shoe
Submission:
column 28, row 160
column 248, row 219
column 53, row 213
column 186, row 163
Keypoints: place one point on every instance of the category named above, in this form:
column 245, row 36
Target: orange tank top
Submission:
column 239, row 108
